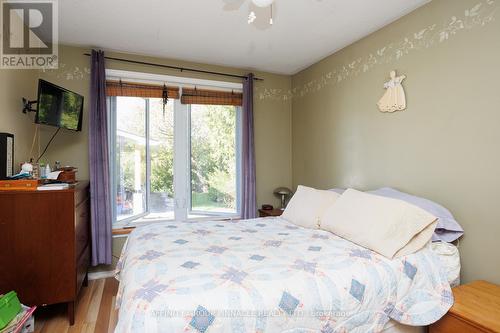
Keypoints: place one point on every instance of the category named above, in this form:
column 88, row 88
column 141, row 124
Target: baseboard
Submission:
column 101, row 275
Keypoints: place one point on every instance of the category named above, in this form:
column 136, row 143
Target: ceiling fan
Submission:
column 261, row 3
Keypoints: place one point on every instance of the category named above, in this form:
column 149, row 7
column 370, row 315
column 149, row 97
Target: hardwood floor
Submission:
column 95, row 311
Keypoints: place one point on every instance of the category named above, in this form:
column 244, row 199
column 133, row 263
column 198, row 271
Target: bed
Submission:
column 268, row 275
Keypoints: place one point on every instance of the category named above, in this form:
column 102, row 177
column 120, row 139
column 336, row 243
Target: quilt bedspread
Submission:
column 268, row 275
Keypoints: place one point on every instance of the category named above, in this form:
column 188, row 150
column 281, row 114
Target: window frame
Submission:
column 238, row 184
column 112, row 136
column 182, row 151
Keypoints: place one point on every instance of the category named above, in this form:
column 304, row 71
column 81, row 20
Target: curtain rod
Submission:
column 182, row 69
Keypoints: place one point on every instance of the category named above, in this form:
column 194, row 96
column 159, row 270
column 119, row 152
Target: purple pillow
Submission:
column 447, row 229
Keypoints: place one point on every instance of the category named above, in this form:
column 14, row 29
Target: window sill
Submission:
column 122, row 231
column 125, row 230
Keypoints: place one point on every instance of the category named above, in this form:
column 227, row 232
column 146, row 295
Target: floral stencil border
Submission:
column 479, row 15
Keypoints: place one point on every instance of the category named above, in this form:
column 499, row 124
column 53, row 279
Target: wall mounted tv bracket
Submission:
column 28, row 106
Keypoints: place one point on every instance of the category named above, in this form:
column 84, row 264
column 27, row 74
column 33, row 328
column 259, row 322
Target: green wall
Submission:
column 14, row 85
column 444, row 147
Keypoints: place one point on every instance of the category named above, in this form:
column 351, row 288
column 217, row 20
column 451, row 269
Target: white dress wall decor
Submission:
column 394, row 98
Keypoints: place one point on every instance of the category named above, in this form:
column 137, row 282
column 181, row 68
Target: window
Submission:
column 178, row 161
column 214, row 162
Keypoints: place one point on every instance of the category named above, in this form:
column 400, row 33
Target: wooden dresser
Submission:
column 44, row 242
column 476, row 309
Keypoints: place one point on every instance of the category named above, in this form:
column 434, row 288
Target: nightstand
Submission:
column 270, row 212
column 476, row 309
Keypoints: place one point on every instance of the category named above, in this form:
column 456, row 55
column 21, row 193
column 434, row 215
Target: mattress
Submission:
column 449, row 258
column 268, row 275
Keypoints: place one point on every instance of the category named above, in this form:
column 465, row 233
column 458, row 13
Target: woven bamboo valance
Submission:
column 130, row 89
column 212, row 97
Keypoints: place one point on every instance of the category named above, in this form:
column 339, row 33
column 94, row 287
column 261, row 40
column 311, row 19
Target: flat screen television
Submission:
column 59, row 107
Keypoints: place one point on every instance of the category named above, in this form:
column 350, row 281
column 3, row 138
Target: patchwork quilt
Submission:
column 268, row 275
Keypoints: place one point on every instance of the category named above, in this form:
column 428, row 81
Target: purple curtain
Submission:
column 248, row 193
column 100, row 204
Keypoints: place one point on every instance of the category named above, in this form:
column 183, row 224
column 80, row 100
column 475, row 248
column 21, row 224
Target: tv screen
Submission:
column 59, row 107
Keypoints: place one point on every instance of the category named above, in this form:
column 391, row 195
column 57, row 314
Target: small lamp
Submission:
column 282, row 192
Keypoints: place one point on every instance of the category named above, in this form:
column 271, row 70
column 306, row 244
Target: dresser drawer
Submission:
column 82, row 227
column 452, row 324
column 82, row 264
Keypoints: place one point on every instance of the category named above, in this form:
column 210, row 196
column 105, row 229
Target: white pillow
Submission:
column 308, row 205
column 387, row 226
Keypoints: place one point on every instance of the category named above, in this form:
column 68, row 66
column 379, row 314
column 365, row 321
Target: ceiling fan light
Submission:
column 262, row 3
column 251, row 17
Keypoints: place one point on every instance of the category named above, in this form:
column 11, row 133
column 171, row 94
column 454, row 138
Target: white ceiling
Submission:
column 216, row 31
